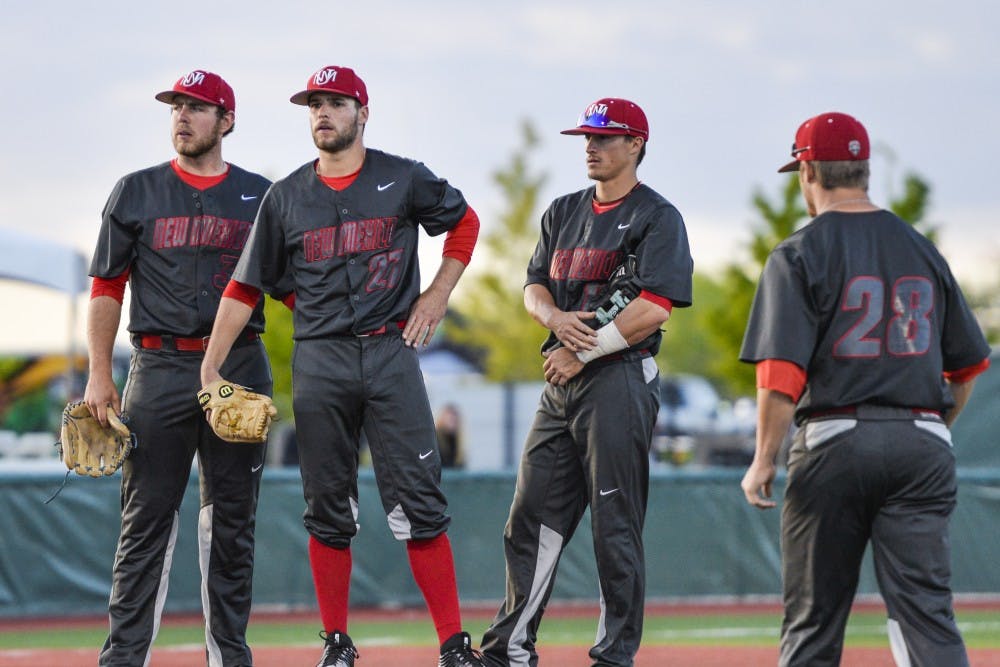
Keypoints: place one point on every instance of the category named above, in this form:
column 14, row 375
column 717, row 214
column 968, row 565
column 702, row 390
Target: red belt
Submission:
column 181, row 344
column 382, row 330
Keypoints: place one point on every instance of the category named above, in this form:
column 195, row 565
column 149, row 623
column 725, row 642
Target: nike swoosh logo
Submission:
column 608, row 492
column 426, row 454
column 624, row 226
column 386, row 186
column 248, row 197
column 256, row 468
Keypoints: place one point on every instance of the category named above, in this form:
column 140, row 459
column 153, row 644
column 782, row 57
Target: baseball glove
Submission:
column 237, row 414
column 620, row 290
column 88, row 448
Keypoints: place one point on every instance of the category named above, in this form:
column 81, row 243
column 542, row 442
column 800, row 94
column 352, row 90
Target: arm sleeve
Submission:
column 242, row 292
column 113, row 287
column 967, row 373
column 461, row 240
column 661, row 301
column 782, row 376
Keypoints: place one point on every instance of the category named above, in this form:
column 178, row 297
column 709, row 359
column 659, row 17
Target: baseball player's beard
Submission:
column 195, row 148
column 337, row 143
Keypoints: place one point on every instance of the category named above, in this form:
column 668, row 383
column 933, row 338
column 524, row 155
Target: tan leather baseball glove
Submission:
column 235, row 413
column 88, row 448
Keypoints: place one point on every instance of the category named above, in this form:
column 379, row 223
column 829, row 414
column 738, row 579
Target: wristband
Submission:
column 609, row 340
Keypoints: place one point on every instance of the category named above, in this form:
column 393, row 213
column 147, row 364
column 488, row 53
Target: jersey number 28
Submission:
column 908, row 331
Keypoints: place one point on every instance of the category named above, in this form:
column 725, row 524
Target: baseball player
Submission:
column 859, row 331
column 173, row 233
column 589, row 444
column 345, row 227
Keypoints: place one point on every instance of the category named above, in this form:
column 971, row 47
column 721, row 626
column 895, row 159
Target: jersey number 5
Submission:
column 908, row 331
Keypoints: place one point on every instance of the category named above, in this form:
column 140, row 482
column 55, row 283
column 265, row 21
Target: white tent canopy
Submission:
column 43, row 282
column 41, row 261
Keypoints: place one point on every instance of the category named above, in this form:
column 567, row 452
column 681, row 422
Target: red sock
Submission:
column 434, row 571
column 331, row 570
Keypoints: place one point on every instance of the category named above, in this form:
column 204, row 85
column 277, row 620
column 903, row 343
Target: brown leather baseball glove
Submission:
column 235, row 413
column 88, row 448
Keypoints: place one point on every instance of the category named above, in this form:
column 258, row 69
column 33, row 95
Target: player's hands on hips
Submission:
column 571, row 329
column 561, row 366
column 101, row 393
column 426, row 314
column 757, row 483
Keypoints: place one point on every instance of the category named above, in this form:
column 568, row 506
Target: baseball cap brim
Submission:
column 597, row 130
column 167, row 97
column 791, row 166
column 302, row 98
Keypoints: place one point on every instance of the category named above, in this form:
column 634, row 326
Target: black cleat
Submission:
column 339, row 650
column 458, row 652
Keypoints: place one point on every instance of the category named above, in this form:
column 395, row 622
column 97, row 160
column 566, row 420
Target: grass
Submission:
column 981, row 629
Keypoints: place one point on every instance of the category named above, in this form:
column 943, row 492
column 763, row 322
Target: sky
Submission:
column 724, row 83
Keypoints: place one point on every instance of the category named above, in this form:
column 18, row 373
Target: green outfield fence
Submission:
column 702, row 540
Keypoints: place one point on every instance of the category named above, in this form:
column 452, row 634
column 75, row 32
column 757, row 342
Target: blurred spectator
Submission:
column 449, row 435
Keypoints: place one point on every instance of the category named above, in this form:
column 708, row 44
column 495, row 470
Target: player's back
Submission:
column 882, row 295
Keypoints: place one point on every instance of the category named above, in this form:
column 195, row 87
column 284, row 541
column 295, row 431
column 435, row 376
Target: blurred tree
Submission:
column 686, row 345
column 913, row 203
column 491, row 302
column 728, row 316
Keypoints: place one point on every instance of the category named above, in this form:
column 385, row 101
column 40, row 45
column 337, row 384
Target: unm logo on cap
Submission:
column 598, row 109
column 325, row 76
column 854, row 146
column 195, row 78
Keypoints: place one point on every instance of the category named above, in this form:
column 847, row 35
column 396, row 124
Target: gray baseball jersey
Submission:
column 162, row 229
column 180, row 245
column 351, row 257
column 869, row 308
column 353, row 253
column 579, row 249
column 589, row 443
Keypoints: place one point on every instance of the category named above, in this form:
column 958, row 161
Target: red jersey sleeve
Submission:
column 461, row 240
column 965, row 374
column 661, row 301
column 783, row 376
column 242, row 292
column 113, row 287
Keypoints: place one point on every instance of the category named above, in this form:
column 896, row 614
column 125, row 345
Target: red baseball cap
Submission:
column 612, row 115
column 204, row 86
column 333, row 79
column 829, row 137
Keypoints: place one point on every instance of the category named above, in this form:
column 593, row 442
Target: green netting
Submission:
column 702, row 540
